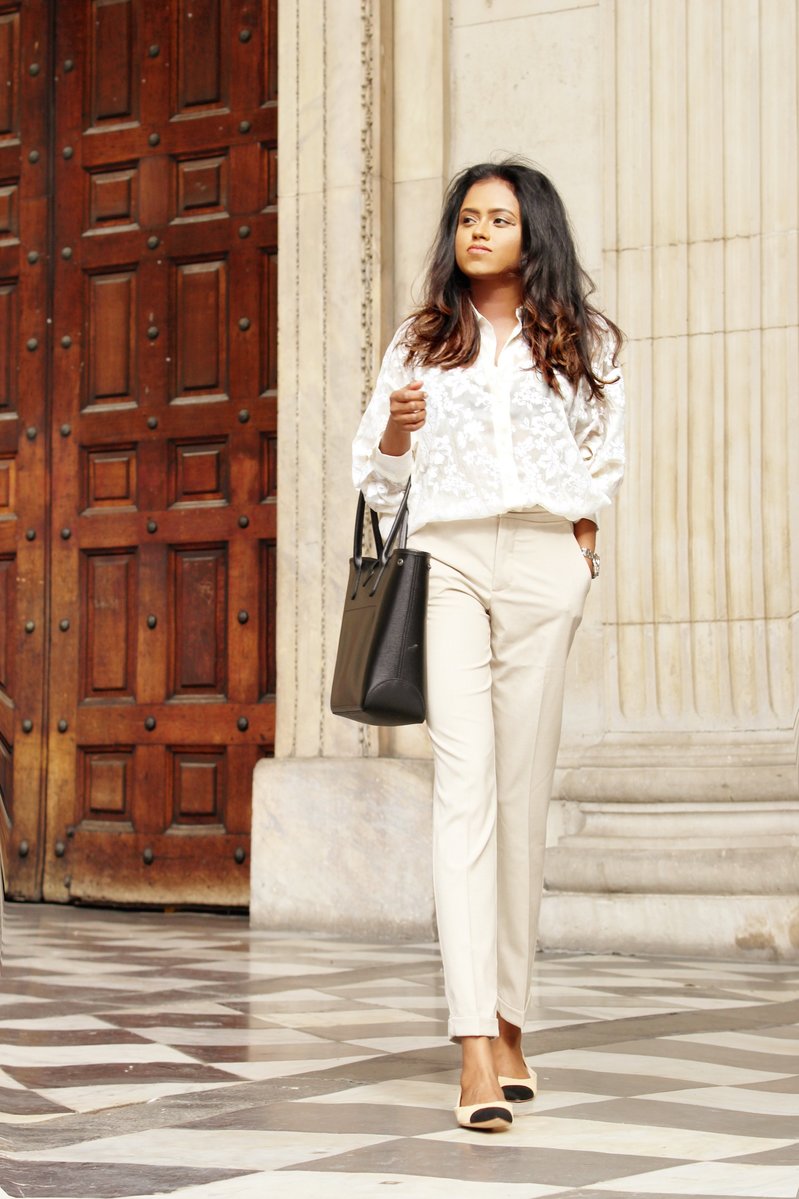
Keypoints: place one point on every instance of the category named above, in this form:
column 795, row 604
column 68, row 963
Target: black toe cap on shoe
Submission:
column 489, row 1113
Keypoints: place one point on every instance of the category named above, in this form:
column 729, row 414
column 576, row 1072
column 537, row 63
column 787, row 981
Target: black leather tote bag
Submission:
column 379, row 674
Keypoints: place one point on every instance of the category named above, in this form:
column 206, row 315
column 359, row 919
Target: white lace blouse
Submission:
column 496, row 438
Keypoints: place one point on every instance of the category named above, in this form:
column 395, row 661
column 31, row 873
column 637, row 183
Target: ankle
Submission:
column 476, row 1054
column 509, row 1034
column 477, row 1064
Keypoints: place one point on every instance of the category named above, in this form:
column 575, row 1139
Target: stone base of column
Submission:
column 342, row 846
column 749, row 927
column 719, row 879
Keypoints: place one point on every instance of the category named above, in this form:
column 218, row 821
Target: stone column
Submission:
column 678, row 823
column 340, row 835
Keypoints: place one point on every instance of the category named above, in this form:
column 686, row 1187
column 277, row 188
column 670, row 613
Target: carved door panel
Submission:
column 163, row 437
column 24, row 71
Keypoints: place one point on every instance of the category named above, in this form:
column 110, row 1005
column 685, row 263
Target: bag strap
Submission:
column 378, row 536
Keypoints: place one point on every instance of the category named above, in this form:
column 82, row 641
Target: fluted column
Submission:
column 679, row 822
column 332, row 821
column 329, row 334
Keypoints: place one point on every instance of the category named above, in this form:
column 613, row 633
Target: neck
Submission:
column 497, row 299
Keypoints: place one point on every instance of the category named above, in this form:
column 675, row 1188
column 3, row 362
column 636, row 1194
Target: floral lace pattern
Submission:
column 496, row 438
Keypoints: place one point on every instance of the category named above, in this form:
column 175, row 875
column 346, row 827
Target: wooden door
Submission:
column 24, row 210
column 163, row 446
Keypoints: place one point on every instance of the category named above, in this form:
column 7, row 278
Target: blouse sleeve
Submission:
column 599, row 430
column 382, row 477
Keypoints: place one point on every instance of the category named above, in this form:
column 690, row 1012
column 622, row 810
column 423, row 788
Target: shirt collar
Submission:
column 482, row 320
column 487, row 335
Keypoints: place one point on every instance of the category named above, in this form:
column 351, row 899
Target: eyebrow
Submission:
column 491, row 211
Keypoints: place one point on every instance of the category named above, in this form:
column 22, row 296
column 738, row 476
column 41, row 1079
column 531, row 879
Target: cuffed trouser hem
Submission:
column 512, row 1014
column 472, row 1026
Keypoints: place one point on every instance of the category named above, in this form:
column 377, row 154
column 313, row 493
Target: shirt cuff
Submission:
column 397, row 468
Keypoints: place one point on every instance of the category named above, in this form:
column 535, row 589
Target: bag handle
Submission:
column 397, row 533
column 399, row 529
column 403, row 532
column 378, row 536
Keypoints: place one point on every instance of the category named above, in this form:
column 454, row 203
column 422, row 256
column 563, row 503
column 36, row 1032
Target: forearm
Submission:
column 585, row 532
column 395, row 442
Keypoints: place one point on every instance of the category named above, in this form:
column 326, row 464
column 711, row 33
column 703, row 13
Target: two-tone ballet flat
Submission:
column 519, row 1090
column 484, row 1117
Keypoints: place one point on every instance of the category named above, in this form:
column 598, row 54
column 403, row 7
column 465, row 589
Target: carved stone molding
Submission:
column 368, row 84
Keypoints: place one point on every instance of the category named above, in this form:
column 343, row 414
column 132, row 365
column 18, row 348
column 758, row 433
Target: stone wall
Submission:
column 670, row 127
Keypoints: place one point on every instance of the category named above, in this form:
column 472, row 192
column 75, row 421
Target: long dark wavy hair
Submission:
column 564, row 331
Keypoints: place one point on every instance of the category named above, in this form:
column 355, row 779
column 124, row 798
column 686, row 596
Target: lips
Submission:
column 478, row 250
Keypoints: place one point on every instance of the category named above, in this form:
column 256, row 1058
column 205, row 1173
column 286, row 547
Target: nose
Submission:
column 480, row 230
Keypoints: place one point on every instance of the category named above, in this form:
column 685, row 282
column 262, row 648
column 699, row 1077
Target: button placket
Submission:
column 500, row 387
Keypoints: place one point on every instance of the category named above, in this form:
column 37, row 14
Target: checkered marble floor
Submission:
column 185, row 1055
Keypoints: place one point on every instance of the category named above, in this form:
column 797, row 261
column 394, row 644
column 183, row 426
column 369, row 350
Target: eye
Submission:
column 501, row 220
column 466, row 220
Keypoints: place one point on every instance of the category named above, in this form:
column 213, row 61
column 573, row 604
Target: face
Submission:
column 488, row 240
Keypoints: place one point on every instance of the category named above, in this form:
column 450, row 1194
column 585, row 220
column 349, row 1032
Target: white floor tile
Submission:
column 738, row 1099
column 56, row 1024
column 640, row 1140
column 208, row 1148
column 708, row 1179
column 653, row 1066
column 401, row 1044
column 357, row 1016
column 88, row 1055
column 224, row 1036
column 7, row 1081
column 260, row 1071
column 401, row 1092
column 312, row 1184
column 94, row 1099
column 744, row 1041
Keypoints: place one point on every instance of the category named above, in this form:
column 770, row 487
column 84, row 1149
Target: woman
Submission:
column 501, row 396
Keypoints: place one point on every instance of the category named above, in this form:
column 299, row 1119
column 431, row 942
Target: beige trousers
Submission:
column 506, row 597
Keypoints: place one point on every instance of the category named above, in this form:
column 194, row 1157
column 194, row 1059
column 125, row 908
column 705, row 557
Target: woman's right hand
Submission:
column 407, row 414
column 407, row 408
